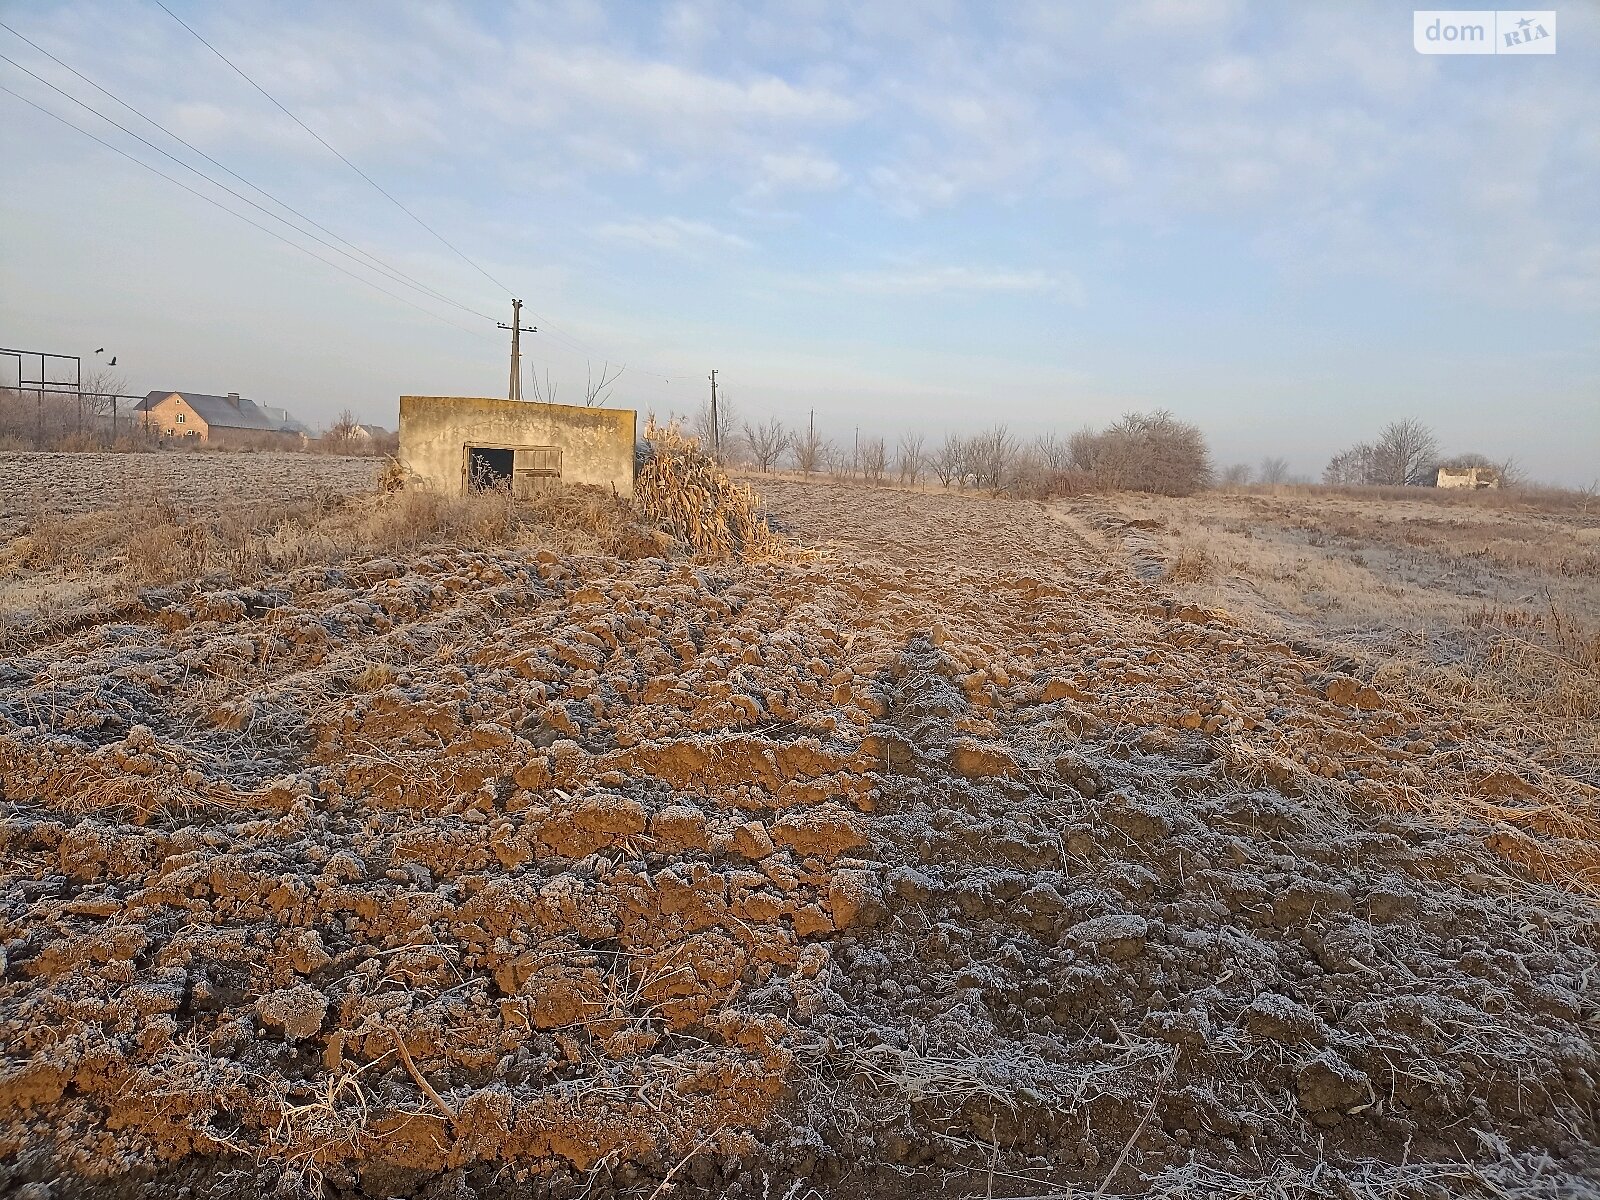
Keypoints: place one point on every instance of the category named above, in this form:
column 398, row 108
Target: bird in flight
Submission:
column 113, row 360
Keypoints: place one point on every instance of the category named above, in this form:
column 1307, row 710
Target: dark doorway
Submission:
column 489, row 468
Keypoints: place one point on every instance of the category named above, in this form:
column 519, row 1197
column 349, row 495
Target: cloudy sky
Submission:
column 1278, row 221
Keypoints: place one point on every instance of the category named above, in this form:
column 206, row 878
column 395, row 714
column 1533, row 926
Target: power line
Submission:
column 329, row 146
column 231, row 212
column 394, row 272
column 572, row 343
column 397, row 278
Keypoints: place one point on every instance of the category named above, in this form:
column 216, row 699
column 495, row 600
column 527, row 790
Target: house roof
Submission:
column 281, row 418
column 222, row 411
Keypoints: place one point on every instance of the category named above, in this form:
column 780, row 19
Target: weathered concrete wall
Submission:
column 1468, row 477
column 596, row 443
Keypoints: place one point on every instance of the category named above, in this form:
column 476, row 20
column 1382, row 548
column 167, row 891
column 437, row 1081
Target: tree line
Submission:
column 1404, row 454
column 1141, row 451
column 1152, row 452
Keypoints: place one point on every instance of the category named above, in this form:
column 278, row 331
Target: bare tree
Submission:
column 947, row 460
column 766, row 441
column 99, row 390
column 910, row 457
column 716, row 441
column 341, row 435
column 598, row 390
column 990, row 456
column 1274, row 470
column 1355, row 467
column 1237, row 475
column 1404, row 450
column 1082, row 448
column 1054, row 454
column 544, row 393
column 874, row 460
column 841, row 462
column 810, row 451
column 1405, row 453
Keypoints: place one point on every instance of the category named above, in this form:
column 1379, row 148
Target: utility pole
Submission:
column 716, row 429
column 514, row 391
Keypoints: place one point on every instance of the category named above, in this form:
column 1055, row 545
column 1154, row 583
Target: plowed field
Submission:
column 954, row 860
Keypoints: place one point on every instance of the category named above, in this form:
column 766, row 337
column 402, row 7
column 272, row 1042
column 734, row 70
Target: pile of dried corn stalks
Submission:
column 684, row 491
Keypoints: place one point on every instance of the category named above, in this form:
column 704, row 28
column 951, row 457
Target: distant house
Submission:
column 218, row 420
column 368, row 433
column 283, row 418
column 1468, row 477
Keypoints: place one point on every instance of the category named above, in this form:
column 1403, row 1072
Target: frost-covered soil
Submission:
column 955, row 861
column 63, row 485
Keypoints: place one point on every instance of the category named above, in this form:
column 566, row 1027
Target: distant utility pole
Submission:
column 514, row 391
column 716, row 430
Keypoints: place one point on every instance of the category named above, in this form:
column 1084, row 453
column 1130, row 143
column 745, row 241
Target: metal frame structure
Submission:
column 40, row 385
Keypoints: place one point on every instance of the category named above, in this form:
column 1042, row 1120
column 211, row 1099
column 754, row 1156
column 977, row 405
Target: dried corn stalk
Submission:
column 682, row 490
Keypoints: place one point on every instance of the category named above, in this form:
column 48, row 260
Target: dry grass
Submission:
column 1481, row 603
column 82, row 563
column 63, row 571
column 1526, row 497
column 1193, row 564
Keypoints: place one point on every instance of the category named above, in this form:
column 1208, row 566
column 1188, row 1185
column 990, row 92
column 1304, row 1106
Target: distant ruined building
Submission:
column 1468, row 477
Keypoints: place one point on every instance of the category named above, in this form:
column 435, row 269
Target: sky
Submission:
column 1278, row 221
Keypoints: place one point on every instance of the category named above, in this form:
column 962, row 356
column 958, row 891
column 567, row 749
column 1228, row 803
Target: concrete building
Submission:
column 216, row 420
column 455, row 442
column 1468, row 477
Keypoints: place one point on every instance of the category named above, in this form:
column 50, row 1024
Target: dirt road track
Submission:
column 955, row 861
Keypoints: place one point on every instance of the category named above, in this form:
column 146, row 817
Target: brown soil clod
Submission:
column 959, row 862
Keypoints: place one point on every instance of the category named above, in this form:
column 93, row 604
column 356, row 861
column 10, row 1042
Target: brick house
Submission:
column 217, row 420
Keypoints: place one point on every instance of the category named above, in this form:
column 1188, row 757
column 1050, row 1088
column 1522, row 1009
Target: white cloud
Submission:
column 672, row 235
column 666, row 94
column 930, row 281
column 798, row 171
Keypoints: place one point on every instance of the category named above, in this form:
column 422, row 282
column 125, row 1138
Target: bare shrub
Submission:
column 1148, row 452
column 1238, row 475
